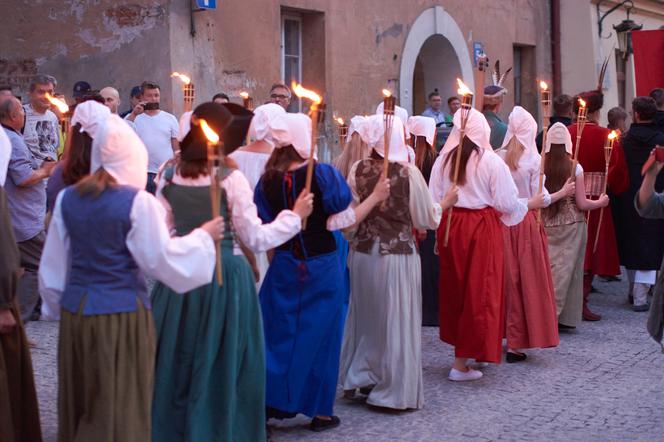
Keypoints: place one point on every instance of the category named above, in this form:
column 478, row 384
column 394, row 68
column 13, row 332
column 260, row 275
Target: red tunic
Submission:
column 605, row 260
column 471, row 284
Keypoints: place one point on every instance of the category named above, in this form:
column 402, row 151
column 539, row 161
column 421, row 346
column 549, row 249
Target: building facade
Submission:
column 347, row 50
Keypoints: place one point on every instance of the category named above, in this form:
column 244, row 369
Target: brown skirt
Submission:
column 19, row 412
column 106, row 376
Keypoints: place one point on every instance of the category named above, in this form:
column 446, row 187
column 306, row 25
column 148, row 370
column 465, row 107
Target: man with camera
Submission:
column 157, row 129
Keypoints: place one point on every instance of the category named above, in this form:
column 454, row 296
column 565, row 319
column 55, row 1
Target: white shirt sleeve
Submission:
column 424, row 212
column 182, row 263
column 505, row 195
column 343, row 219
column 253, row 233
column 436, row 188
column 534, row 180
column 54, row 264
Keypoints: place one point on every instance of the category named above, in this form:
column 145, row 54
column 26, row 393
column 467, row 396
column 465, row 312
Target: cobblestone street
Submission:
column 604, row 383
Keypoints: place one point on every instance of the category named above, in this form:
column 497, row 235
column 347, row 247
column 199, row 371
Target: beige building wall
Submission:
column 351, row 49
column 583, row 51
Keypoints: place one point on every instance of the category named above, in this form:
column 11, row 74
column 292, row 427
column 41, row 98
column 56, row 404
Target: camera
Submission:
column 150, row 106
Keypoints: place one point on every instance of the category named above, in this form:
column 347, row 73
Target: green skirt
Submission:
column 210, row 369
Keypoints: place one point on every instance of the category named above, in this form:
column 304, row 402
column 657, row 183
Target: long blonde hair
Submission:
column 354, row 151
column 514, row 152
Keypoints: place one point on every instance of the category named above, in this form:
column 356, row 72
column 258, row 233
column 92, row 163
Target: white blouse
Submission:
column 251, row 164
column 526, row 176
column 182, row 263
column 246, row 224
column 488, row 184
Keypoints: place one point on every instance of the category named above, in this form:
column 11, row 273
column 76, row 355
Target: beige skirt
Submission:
column 106, row 376
column 567, row 245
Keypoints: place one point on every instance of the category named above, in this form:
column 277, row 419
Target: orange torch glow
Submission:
column 340, row 121
column 302, row 92
column 613, row 135
column 244, row 95
column 582, row 102
column 210, row 134
column 544, row 86
column 60, row 104
column 387, row 93
column 463, row 89
column 185, row 79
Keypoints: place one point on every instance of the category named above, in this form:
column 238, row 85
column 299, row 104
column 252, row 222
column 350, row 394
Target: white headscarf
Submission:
column 261, row 123
column 293, row 129
column 398, row 112
column 558, row 134
column 120, row 152
column 356, row 125
column 90, row 115
column 523, row 126
column 5, row 154
column 398, row 149
column 477, row 129
column 421, row 126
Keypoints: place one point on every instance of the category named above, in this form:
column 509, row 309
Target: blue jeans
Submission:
column 152, row 185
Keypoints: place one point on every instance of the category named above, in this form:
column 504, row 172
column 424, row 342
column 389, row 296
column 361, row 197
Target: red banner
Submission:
column 648, row 60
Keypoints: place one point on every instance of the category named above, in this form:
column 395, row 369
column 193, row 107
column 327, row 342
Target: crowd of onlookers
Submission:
column 36, row 171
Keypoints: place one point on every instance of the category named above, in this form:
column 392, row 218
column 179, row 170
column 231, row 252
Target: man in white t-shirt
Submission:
column 158, row 130
column 41, row 132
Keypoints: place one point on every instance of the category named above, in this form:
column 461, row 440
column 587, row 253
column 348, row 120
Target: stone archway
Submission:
column 433, row 29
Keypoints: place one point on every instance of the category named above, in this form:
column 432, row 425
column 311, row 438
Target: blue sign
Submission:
column 206, row 4
column 478, row 50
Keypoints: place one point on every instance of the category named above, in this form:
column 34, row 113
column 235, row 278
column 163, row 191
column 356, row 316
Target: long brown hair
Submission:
column 96, row 183
column 557, row 170
column 467, row 149
column 354, row 151
column 280, row 161
column 514, row 152
column 424, row 152
column 77, row 155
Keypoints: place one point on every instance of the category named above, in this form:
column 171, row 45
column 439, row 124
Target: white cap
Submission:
column 295, row 130
column 398, row 150
column 261, row 123
column 90, row 116
column 477, row 129
column 398, row 112
column 559, row 134
column 5, row 154
column 523, row 126
column 421, row 126
column 120, row 152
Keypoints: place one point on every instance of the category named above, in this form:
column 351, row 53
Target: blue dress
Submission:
column 304, row 296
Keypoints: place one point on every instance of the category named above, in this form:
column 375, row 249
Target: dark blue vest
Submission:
column 102, row 274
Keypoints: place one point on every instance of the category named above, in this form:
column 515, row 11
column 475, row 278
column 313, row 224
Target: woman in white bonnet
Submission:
column 565, row 226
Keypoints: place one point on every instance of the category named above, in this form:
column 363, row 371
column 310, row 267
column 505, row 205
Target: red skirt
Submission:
column 471, row 284
column 605, row 261
column 530, row 303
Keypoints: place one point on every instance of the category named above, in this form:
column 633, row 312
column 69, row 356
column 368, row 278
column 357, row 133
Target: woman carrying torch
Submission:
column 471, row 264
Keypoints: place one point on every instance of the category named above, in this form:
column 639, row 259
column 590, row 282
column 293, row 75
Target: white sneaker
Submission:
column 461, row 376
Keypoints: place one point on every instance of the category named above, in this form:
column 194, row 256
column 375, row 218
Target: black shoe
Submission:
column 278, row 414
column 319, row 425
column 366, row 390
column 515, row 357
column 563, row 327
column 630, row 299
column 611, row 278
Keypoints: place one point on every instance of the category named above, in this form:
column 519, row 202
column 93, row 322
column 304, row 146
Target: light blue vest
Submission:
column 103, row 275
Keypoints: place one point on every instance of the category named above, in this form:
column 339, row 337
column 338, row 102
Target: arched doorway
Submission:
column 435, row 54
column 436, row 68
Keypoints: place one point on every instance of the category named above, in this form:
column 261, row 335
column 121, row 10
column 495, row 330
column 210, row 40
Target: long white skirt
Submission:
column 382, row 345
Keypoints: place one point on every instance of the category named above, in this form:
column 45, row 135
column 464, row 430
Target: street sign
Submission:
column 478, row 50
column 206, row 4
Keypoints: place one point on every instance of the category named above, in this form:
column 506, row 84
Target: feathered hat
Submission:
column 595, row 98
column 494, row 92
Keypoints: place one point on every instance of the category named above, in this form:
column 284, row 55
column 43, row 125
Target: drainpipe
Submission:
column 555, row 47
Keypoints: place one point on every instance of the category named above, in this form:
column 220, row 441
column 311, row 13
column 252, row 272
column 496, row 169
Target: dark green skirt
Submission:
column 210, row 370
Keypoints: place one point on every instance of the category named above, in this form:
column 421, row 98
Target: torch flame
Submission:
column 244, row 95
column 582, row 102
column 387, row 93
column 463, row 89
column 209, row 133
column 340, row 121
column 60, row 104
column 613, row 135
column 184, row 78
column 544, row 86
column 301, row 92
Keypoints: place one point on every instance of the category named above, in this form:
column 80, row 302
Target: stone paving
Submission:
column 605, row 382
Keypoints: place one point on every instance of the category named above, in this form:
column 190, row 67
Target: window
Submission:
column 291, row 54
